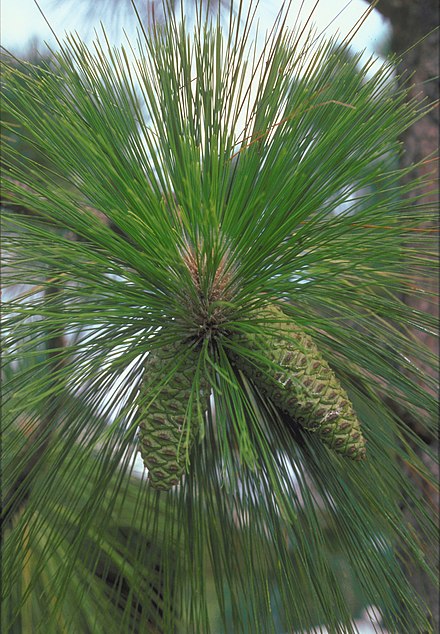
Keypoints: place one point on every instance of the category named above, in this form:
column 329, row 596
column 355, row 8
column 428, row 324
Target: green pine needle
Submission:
column 176, row 187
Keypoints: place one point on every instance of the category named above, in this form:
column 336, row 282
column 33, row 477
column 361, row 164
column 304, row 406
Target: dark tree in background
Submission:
column 415, row 37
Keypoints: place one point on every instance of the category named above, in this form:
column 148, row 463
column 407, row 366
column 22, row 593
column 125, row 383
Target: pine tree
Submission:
column 176, row 208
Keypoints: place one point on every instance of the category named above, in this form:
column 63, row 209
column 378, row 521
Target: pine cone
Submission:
column 163, row 430
column 306, row 388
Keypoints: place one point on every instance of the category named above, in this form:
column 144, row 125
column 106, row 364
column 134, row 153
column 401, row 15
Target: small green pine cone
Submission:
column 306, row 388
column 163, row 422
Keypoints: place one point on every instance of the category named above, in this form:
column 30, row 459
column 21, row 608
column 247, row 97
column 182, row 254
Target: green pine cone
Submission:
column 306, row 388
column 163, row 446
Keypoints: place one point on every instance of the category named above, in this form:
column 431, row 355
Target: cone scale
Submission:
column 304, row 386
column 163, row 431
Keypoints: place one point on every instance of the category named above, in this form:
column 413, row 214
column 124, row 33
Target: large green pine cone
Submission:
column 306, row 388
column 163, row 422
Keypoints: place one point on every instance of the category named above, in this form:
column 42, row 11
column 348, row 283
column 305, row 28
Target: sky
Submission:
column 21, row 20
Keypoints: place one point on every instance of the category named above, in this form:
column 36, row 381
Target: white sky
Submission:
column 21, row 20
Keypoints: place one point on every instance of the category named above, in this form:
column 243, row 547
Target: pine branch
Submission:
column 204, row 184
